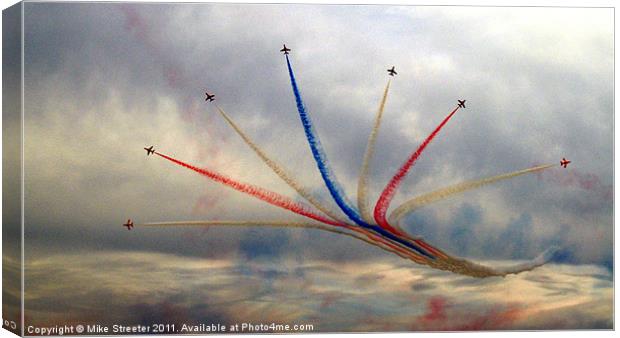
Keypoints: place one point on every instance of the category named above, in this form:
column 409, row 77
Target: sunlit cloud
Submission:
column 392, row 296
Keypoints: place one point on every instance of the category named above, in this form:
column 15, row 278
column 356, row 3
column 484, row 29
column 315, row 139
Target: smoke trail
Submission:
column 276, row 199
column 239, row 223
column 281, row 172
column 362, row 185
column 582, row 180
column 332, row 183
column 456, row 265
column 390, row 189
column 543, row 258
column 357, row 233
column 472, row 269
column 420, row 201
column 270, row 197
column 330, row 180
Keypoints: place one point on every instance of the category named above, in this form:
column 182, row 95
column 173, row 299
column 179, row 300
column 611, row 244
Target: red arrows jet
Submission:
column 462, row 103
column 392, row 72
column 210, row 97
column 129, row 224
column 285, row 50
column 149, row 150
column 564, row 162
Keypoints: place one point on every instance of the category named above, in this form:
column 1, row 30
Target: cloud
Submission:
column 147, row 286
column 110, row 77
column 103, row 80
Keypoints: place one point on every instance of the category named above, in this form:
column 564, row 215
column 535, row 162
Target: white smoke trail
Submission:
column 420, row 201
column 464, row 267
column 362, row 185
column 357, row 233
column 280, row 171
column 536, row 262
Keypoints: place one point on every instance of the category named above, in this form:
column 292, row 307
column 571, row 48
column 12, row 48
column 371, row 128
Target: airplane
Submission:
column 149, row 150
column 392, row 71
column 564, row 162
column 285, row 50
column 210, row 97
column 129, row 224
column 462, row 103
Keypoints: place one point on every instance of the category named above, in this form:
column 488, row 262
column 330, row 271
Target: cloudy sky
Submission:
column 104, row 80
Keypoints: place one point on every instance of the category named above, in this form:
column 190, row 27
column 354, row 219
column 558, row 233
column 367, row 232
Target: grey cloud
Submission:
column 103, row 80
column 199, row 290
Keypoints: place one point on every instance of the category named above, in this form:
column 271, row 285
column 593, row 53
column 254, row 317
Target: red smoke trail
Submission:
column 575, row 178
column 436, row 310
column 205, row 204
column 430, row 248
column 147, row 32
column 494, row 319
column 260, row 193
column 376, row 238
column 284, row 202
column 440, row 316
column 134, row 23
column 390, row 189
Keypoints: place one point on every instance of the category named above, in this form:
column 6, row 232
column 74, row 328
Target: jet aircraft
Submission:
column 129, row 224
column 149, row 150
column 285, row 50
column 392, row 72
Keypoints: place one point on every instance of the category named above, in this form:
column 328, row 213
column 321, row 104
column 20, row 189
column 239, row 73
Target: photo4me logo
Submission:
column 245, row 328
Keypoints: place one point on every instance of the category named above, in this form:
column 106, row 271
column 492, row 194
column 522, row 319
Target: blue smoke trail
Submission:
column 328, row 176
column 319, row 155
